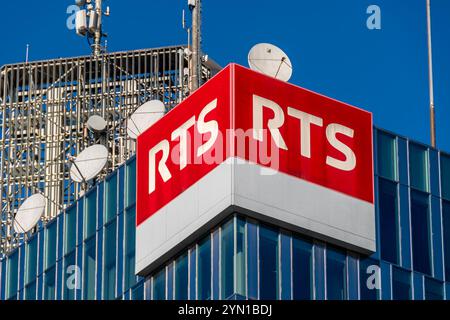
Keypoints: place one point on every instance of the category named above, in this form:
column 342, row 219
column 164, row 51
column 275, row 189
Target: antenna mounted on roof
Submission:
column 88, row 22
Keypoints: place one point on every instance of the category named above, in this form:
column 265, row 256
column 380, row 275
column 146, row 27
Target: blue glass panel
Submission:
column 89, row 269
column 405, row 227
column 268, row 263
column 446, row 236
column 159, row 285
column 216, row 257
column 336, row 274
column 50, row 245
column 130, row 242
column 100, row 249
column 111, row 198
column 101, row 197
column 120, row 254
column 403, row 160
column 433, row 289
column 319, row 271
column 418, row 286
column 192, row 274
column 181, row 278
column 387, row 156
column 170, row 281
column 401, row 284
column 31, row 258
column 240, row 257
column 352, row 275
column 438, row 263
column 131, row 182
column 418, row 167
column 445, row 176
column 204, row 269
column 70, row 279
column 420, row 231
column 286, row 272
column 30, row 291
column 252, row 264
column 109, row 273
column 138, row 292
column 91, row 214
column 70, row 238
column 12, row 274
column 369, row 279
column 434, row 172
column 50, row 284
column 302, row 269
column 388, row 209
column 121, row 194
column 226, row 255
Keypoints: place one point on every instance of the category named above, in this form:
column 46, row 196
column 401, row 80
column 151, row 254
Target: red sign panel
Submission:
column 245, row 114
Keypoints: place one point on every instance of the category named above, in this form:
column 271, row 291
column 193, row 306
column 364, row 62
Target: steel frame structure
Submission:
column 44, row 106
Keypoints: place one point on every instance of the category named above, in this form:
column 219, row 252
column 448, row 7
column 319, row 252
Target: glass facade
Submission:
column 242, row 258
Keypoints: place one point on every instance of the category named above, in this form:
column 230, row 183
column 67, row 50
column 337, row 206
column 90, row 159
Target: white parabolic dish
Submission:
column 270, row 60
column 89, row 163
column 96, row 123
column 144, row 117
column 29, row 213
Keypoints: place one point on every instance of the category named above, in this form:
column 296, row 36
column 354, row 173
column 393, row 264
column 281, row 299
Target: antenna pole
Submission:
column 196, row 50
column 430, row 78
column 27, row 52
column 98, row 30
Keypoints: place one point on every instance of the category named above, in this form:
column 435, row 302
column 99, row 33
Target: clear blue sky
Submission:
column 332, row 50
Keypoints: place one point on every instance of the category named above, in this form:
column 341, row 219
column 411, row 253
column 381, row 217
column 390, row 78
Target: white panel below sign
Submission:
column 277, row 198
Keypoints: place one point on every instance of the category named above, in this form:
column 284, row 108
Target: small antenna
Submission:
column 26, row 53
column 88, row 22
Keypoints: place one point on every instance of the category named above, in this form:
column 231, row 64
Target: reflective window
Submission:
column 70, row 229
column 215, row 269
column 30, row 291
column 170, row 281
column 420, row 231
column 138, row 292
column 50, row 245
column 111, row 198
column 445, row 176
column 302, row 269
column 159, row 285
column 109, row 274
column 181, row 278
column 204, row 269
column 90, row 215
column 433, row 289
column 240, row 257
column 227, row 252
column 131, row 183
column 388, row 208
column 268, row 263
column 130, row 237
column 89, row 278
column 401, row 284
column 336, row 274
column 49, row 284
column 418, row 167
column 252, row 265
column 446, row 227
column 387, row 156
column 192, row 273
column 31, row 259
column 369, row 279
column 69, row 277
column 12, row 275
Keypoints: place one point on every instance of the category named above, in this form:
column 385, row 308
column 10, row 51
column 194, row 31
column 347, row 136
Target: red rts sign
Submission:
column 244, row 114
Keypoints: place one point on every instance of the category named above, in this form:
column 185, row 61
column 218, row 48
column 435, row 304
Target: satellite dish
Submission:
column 89, row 163
column 144, row 117
column 96, row 123
column 29, row 213
column 270, row 60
